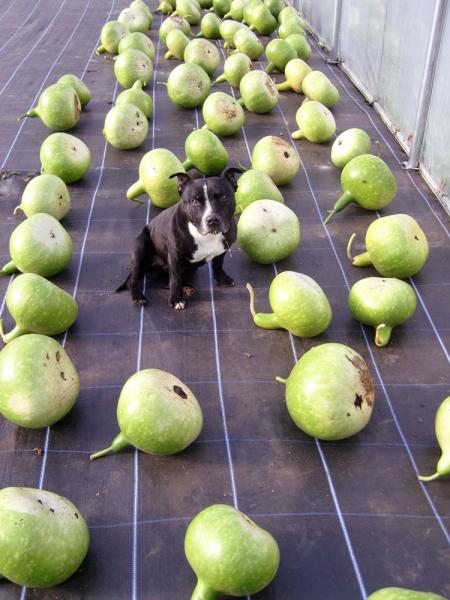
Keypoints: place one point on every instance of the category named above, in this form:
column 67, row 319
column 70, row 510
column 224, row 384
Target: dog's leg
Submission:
column 188, row 286
column 176, row 300
column 219, row 274
column 141, row 257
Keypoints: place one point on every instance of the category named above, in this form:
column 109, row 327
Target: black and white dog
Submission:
column 199, row 228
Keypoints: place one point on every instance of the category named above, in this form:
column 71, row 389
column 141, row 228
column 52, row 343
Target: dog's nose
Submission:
column 213, row 220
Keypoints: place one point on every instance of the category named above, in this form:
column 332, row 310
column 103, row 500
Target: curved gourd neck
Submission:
column 263, row 320
column 342, row 203
column 204, row 592
column 361, row 260
column 118, row 444
column 382, row 335
column 13, row 334
column 284, row 86
column 9, row 268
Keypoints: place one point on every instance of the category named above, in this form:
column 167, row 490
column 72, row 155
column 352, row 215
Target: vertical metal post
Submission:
column 334, row 55
column 440, row 9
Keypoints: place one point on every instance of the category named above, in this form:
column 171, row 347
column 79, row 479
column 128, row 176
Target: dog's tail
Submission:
column 123, row 286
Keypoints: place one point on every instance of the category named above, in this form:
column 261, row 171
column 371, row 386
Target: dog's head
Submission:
column 209, row 203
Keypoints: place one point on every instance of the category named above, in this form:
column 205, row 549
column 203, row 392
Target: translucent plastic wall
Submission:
column 383, row 46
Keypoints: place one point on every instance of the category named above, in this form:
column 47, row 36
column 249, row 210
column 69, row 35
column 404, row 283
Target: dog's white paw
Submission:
column 180, row 305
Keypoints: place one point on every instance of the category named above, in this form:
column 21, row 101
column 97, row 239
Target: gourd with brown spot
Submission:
column 442, row 429
column 330, row 392
column 38, row 382
column 157, row 413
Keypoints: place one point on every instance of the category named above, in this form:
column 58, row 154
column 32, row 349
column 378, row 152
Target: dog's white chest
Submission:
column 208, row 246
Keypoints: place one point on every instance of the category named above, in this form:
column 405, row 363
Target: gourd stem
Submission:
column 281, row 380
column 270, row 67
column 382, row 335
column 168, row 55
column 13, row 334
column 119, row 443
column 220, row 79
column 19, row 207
column 378, row 145
column 227, row 15
column 188, row 164
column 342, row 203
column 204, row 592
column 252, row 299
column 349, row 246
column 284, row 86
column 297, row 135
column 135, row 190
column 241, row 102
column 429, row 478
column 9, row 268
column 110, row 58
column 362, row 260
column 205, row 126
column 100, row 50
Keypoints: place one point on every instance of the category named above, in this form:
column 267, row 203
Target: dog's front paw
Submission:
column 139, row 299
column 177, row 303
column 224, row 280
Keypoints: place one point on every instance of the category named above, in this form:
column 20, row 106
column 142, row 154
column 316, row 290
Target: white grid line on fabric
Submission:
column 164, row 520
column 328, row 475
column 7, row 10
column 385, row 392
column 47, row 433
column 21, row 26
column 262, row 440
column 219, row 379
column 5, row 85
column 134, row 556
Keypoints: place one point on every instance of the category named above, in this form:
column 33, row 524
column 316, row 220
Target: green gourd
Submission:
column 138, row 41
column 132, row 65
column 395, row 593
column 188, row 85
column 255, row 185
column 173, row 22
column 45, row 194
column 317, row 86
column 330, row 392
column 442, row 428
column 396, row 247
column 223, row 114
column 38, row 306
column 58, row 108
column 38, row 382
column 176, row 42
column 40, row 245
column 155, row 170
column 316, row 123
column 110, row 36
column 279, row 52
column 234, row 69
column 137, row 97
column 210, row 27
column 81, row 89
column 202, row 53
column 66, row 156
column 157, row 413
column 44, row 537
column 295, row 72
column 298, row 303
column 259, row 93
column 383, row 304
column 205, row 152
column 125, row 127
column 367, row 181
column 229, row 553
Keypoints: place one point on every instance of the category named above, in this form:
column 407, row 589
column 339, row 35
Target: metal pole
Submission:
column 334, row 56
column 434, row 45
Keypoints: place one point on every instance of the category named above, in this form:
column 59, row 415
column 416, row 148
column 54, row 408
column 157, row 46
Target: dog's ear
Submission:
column 183, row 180
column 230, row 176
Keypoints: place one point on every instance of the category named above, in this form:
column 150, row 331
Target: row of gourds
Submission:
column 297, row 300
